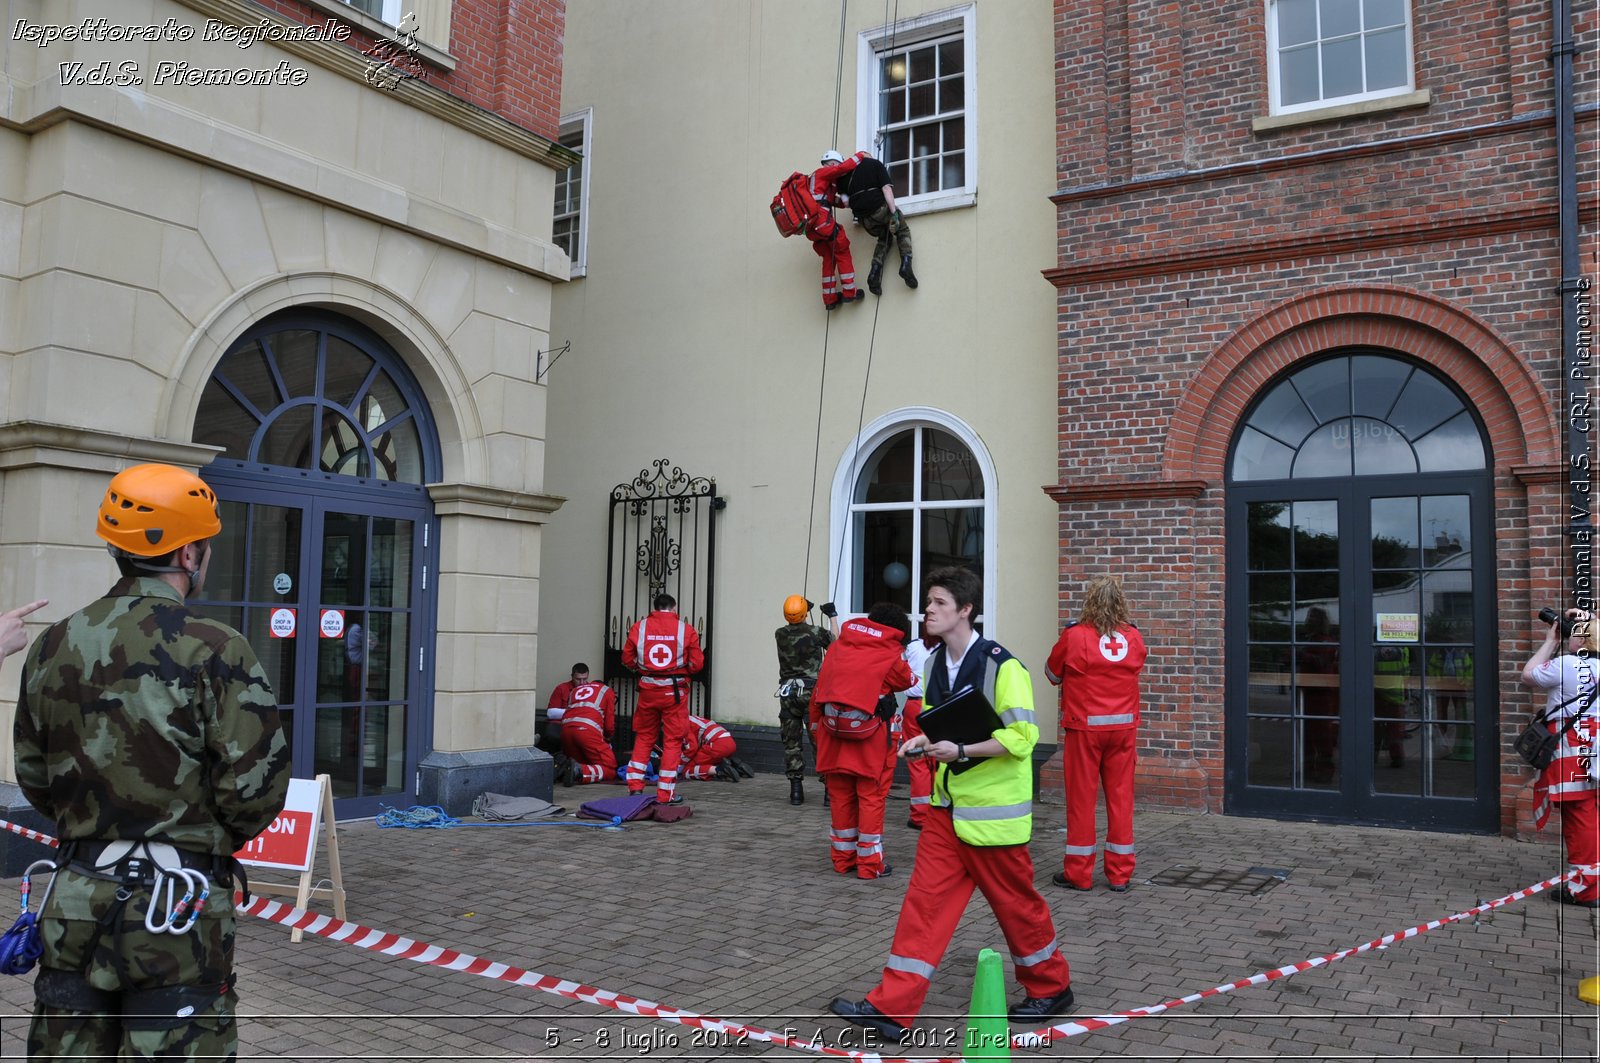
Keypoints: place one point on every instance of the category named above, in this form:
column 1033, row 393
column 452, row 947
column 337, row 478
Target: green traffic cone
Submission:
column 988, row 1030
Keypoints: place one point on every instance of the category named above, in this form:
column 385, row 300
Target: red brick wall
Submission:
column 508, row 56
column 1199, row 258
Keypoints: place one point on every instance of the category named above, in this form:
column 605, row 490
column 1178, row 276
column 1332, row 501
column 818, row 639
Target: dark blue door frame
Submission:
column 237, row 483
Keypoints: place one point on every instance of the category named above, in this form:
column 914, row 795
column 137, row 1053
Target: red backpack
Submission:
column 794, row 204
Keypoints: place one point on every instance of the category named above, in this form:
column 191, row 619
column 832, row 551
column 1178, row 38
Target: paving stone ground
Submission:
column 736, row 913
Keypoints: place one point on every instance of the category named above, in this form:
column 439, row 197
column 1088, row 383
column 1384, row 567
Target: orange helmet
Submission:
column 796, row 608
column 151, row 510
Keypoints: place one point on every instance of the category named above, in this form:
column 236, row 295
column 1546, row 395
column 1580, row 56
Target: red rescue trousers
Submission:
column 659, row 719
column 946, row 873
column 835, row 252
column 855, row 804
column 584, row 741
column 920, row 768
column 1090, row 759
column 703, row 764
column 1580, row 829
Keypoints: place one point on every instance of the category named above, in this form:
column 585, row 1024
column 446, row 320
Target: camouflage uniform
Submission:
column 139, row 719
column 800, row 650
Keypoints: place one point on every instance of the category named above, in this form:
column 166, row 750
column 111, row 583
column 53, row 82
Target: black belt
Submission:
column 81, row 857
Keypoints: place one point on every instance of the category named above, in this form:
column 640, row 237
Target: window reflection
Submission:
column 1357, row 415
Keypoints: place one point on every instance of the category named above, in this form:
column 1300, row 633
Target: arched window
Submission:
column 1357, row 415
column 913, row 497
column 315, row 393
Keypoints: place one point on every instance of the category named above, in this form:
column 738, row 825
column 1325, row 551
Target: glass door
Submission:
column 1355, row 625
column 328, row 592
column 364, row 659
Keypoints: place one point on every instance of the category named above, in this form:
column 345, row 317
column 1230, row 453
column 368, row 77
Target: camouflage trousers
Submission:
column 93, row 998
column 793, row 713
column 886, row 226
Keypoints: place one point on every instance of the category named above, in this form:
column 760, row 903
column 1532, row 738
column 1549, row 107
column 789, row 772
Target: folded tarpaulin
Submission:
column 633, row 806
column 504, row 806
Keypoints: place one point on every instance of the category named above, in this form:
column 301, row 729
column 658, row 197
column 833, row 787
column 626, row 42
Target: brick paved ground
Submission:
column 736, row 913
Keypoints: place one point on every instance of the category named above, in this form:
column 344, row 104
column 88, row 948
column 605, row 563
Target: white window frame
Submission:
column 391, row 13
column 584, row 120
column 850, row 469
column 1274, row 81
column 962, row 19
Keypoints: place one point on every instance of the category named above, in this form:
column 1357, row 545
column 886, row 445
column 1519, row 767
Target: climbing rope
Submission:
column 432, row 817
column 866, row 379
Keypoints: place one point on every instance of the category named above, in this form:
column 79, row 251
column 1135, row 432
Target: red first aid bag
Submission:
column 794, row 205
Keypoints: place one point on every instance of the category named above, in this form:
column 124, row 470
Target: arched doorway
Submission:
column 327, row 544
column 1360, row 604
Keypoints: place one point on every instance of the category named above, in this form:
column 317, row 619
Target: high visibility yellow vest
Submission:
column 991, row 803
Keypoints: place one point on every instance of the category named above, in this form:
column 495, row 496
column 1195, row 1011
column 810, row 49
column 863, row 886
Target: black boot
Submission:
column 905, row 272
column 875, row 279
column 797, row 792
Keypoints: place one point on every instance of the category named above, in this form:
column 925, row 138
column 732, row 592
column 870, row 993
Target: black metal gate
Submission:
column 661, row 536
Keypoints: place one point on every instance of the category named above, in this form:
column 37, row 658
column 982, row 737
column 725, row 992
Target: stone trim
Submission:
column 492, row 503
column 1065, row 493
column 1269, row 122
column 1539, row 474
column 181, row 131
column 26, row 444
column 348, row 62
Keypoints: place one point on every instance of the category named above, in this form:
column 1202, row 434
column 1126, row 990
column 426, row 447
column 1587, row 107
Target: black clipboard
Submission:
column 965, row 717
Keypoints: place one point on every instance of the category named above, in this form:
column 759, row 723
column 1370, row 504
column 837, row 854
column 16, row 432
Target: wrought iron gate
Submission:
column 661, row 536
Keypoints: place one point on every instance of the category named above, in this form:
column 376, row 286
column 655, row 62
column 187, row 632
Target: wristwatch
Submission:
column 961, row 753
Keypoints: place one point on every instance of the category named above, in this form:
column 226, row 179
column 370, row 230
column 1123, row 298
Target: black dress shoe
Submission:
column 1038, row 1009
column 797, row 792
column 1117, row 887
column 1061, row 880
column 860, row 1013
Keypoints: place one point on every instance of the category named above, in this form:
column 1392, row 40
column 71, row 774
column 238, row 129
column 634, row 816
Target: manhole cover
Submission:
column 1252, row 881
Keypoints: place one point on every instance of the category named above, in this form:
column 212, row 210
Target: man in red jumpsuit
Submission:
column 855, row 749
column 705, row 749
column 665, row 651
column 586, row 731
column 827, row 235
column 1097, row 661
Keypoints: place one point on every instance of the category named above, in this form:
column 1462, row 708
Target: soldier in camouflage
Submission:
column 800, row 649
column 144, row 726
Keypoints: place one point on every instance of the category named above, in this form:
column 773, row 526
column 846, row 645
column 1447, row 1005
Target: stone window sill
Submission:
column 1268, row 123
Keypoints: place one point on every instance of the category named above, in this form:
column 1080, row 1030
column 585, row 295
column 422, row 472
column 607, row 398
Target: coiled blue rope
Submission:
column 427, row 817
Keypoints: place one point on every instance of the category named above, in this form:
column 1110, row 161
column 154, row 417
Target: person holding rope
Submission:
column 1569, row 678
column 977, row 831
column 827, row 236
column 149, row 735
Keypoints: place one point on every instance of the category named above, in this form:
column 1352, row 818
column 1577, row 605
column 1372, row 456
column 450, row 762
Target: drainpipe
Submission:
column 1576, row 319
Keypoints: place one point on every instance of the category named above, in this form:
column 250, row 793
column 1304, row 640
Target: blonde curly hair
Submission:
column 1105, row 608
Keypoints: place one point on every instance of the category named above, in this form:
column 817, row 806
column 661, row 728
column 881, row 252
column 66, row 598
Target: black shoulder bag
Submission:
column 1536, row 745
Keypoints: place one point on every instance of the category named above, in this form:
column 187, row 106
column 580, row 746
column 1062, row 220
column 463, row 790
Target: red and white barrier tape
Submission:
column 420, row 952
column 1061, row 1031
